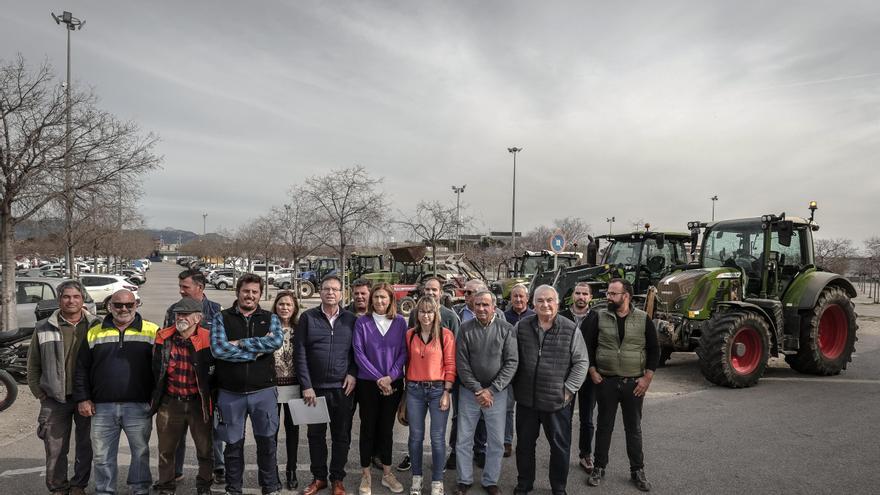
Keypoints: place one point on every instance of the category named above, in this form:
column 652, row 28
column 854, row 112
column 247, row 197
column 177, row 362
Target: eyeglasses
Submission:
column 609, row 293
column 426, row 312
column 330, row 289
column 119, row 305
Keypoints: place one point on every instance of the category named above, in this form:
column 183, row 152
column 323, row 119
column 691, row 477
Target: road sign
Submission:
column 557, row 242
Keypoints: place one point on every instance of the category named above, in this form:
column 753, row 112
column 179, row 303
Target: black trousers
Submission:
column 291, row 439
column 611, row 392
column 586, row 406
column 377, row 413
column 339, row 407
column 557, row 429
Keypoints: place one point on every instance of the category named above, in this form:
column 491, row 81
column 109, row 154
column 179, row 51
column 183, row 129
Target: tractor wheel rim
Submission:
column 833, row 331
column 748, row 361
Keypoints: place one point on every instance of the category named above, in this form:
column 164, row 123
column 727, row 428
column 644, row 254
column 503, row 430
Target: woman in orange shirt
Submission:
column 430, row 372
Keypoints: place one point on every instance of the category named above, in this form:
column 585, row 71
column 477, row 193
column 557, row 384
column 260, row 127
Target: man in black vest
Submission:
column 624, row 353
column 580, row 313
column 243, row 340
column 552, row 366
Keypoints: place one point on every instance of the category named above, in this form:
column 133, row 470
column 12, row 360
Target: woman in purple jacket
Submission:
column 380, row 354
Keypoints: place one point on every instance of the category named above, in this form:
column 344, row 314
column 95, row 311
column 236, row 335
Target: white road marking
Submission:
column 824, row 380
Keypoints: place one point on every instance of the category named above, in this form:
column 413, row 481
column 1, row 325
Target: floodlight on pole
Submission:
column 610, row 221
column 458, row 191
column 513, row 150
column 71, row 24
column 714, row 199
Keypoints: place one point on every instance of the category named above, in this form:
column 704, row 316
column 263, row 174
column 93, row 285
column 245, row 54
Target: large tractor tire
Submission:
column 828, row 335
column 306, row 289
column 734, row 349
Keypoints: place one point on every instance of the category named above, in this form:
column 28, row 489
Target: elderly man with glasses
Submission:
column 113, row 384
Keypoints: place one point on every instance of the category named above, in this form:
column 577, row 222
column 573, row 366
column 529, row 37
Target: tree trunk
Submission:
column 8, row 314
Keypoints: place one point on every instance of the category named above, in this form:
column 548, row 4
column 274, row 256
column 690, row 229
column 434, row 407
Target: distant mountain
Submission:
column 41, row 228
column 170, row 235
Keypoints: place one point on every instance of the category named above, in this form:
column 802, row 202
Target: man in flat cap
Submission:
column 182, row 365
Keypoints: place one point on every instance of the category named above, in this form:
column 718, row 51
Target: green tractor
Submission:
column 520, row 269
column 642, row 258
column 757, row 293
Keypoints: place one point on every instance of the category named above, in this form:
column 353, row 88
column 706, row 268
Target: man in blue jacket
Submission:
column 326, row 368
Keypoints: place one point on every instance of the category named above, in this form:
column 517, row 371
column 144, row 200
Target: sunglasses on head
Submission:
column 119, row 305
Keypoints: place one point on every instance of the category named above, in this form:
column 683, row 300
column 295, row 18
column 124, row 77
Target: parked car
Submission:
column 134, row 275
column 223, row 280
column 101, row 287
column 31, row 290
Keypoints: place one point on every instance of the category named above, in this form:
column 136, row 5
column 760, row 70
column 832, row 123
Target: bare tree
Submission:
column 296, row 225
column 431, row 223
column 32, row 151
column 834, row 254
column 575, row 230
column 346, row 203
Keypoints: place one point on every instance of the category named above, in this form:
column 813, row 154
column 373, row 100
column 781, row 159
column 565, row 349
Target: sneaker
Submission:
column 391, row 483
column 450, row 461
column 436, row 488
column 405, row 464
column 508, row 450
column 586, row 463
column 416, row 487
column 640, row 480
column 596, row 476
column 366, row 486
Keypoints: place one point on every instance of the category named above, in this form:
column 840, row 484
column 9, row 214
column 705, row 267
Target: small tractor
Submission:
column 642, row 258
column 757, row 293
column 520, row 269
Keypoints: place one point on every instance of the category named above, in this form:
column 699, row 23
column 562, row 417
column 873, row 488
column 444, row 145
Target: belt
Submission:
column 434, row 383
column 183, row 398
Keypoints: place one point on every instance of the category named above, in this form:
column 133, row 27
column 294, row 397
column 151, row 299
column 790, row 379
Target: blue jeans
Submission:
column 135, row 420
column 423, row 398
column 508, row 424
column 469, row 413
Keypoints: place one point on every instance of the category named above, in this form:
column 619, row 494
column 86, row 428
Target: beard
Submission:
column 613, row 306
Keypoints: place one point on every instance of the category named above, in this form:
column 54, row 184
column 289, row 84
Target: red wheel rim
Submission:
column 833, row 331
column 746, row 352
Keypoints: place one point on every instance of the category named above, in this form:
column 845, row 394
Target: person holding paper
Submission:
column 324, row 362
column 380, row 354
column 430, row 374
column 286, row 308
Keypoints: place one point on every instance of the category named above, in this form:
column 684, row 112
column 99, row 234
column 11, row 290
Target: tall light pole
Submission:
column 610, row 223
column 714, row 199
column 71, row 23
column 514, row 150
column 204, row 224
column 458, row 191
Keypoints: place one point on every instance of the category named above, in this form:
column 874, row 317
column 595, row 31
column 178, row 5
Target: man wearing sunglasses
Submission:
column 113, row 384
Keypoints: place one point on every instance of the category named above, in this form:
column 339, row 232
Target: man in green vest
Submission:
column 624, row 353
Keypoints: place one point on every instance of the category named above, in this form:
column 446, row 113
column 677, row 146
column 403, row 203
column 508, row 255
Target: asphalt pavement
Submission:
column 791, row 433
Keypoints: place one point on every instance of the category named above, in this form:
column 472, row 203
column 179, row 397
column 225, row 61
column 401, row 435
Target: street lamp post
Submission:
column 458, row 191
column 71, row 23
column 514, row 150
column 204, row 224
column 714, row 199
column 610, row 221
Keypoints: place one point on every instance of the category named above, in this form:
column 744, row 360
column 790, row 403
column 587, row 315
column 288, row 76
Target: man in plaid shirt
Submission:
column 182, row 363
column 243, row 340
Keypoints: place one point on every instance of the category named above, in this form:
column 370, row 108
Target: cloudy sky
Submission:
column 638, row 110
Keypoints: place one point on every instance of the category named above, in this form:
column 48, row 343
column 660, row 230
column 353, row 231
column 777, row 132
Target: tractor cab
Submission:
column 646, row 257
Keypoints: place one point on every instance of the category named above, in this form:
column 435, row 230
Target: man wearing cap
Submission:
column 182, row 366
column 191, row 283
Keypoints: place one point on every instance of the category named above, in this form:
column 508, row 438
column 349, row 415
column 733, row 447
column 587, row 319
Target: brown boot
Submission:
column 338, row 487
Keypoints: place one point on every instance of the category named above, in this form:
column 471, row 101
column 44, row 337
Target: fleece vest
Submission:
column 252, row 375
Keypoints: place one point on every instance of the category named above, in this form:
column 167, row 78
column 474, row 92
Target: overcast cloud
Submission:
column 631, row 109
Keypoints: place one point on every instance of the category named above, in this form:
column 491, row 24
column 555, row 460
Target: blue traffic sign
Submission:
column 557, row 243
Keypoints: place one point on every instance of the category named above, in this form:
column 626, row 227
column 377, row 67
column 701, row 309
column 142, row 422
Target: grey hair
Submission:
column 520, row 286
column 486, row 292
column 544, row 288
column 70, row 284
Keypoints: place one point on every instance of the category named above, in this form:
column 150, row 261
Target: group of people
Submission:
column 207, row 369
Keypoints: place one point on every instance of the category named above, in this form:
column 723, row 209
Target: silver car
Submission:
column 31, row 290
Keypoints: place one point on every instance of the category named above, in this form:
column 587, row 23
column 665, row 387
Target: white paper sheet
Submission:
column 308, row 415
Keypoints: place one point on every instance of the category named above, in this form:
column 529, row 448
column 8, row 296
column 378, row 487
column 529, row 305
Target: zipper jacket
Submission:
column 323, row 352
column 200, row 358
